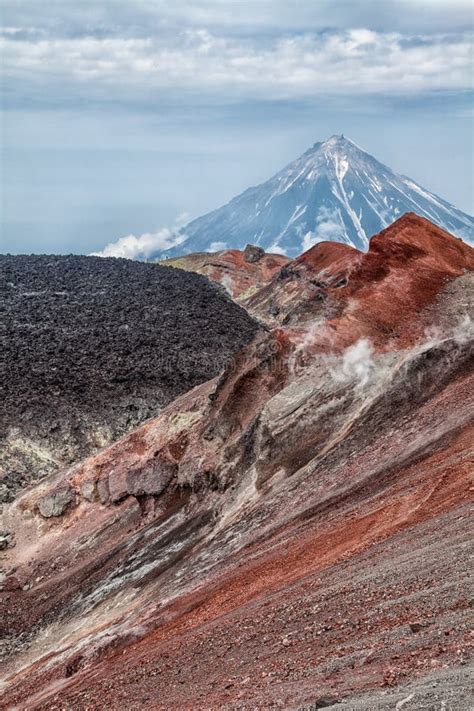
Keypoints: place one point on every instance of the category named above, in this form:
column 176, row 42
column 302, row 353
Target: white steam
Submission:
column 310, row 338
column 462, row 331
column 227, row 283
column 358, row 362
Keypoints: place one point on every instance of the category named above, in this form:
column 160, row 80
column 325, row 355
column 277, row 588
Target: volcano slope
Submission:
column 290, row 534
column 92, row 347
column 241, row 272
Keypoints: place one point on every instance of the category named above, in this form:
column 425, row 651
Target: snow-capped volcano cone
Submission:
column 334, row 191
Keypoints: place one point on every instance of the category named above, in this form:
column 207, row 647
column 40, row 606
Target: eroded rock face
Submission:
column 345, row 294
column 239, row 276
column 89, row 491
column 153, row 479
column 278, row 528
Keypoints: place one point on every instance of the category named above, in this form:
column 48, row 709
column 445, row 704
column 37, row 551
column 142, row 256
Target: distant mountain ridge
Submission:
column 334, row 191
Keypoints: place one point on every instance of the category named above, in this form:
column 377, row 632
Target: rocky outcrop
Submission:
column 240, row 273
column 276, row 530
column 253, row 254
column 345, row 294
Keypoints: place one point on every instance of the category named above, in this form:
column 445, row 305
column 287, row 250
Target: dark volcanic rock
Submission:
column 91, row 347
column 149, row 480
column 253, row 254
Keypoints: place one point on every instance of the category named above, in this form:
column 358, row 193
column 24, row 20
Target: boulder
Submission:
column 56, row 502
column 151, row 479
column 103, row 489
column 323, row 702
column 89, row 491
column 7, row 539
column 118, row 487
column 253, row 254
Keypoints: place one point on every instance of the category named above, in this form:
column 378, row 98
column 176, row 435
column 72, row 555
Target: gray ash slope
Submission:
column 91, row 347
column 335, row 191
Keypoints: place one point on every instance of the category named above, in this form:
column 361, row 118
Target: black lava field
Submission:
column 88, row 341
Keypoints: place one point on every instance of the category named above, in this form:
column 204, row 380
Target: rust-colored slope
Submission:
column 232, row 269
column 291, row 530
column 320, row 603
column 329, row 258
column 405, row 268
column 378, row 295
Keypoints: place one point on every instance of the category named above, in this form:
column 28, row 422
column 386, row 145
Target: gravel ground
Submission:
column 448, row 690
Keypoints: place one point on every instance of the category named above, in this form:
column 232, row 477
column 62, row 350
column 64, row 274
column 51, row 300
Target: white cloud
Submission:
column 329, row 227
column 276, row 249
column 196, row 61
column 145, row 245
column 309, row 240
column 217, row 246
column 137, row 17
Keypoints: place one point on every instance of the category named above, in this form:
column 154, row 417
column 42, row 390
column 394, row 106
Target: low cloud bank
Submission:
column 219, row 64
column 147, row 244
column 218, row 246
column 329, row 227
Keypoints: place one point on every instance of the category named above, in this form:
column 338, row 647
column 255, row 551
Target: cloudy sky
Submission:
column 123, row 116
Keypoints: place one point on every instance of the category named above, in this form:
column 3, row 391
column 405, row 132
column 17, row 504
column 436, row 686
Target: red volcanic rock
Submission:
column 151, row 480
column 378, row 295
column 240, row 272
column 117, row 488
column 406, row 266
column 270, row 537
column 329, row 259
